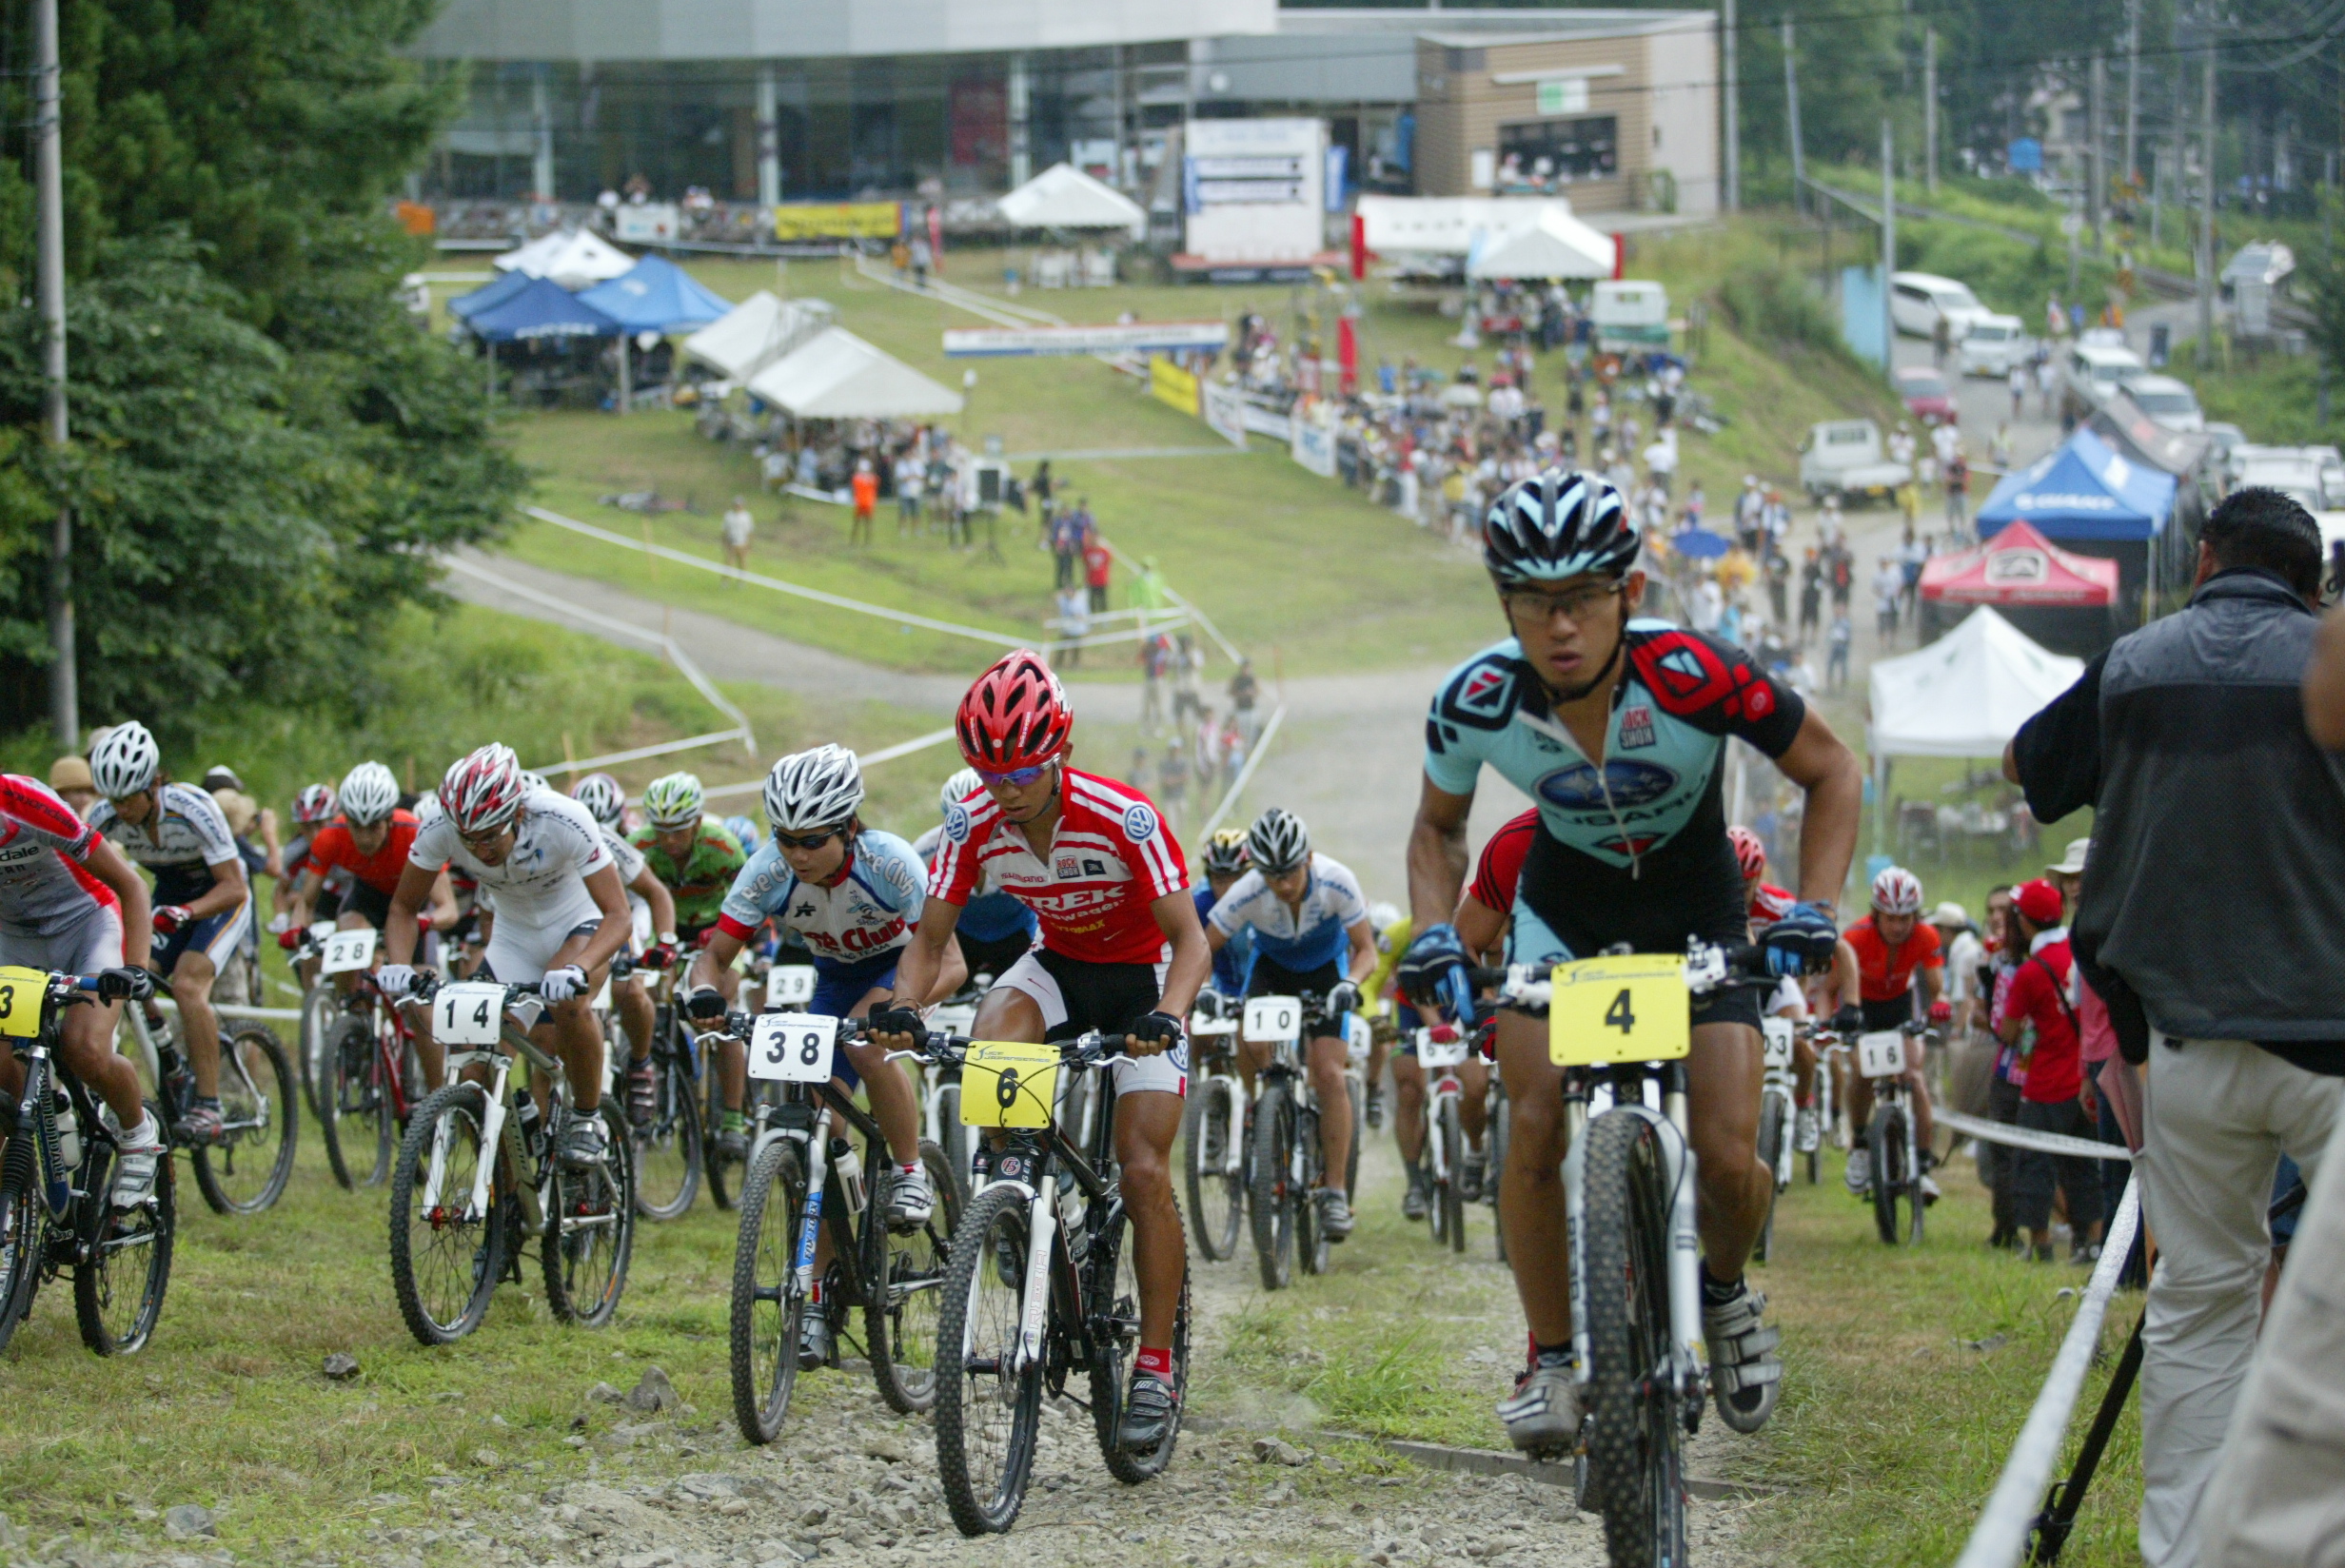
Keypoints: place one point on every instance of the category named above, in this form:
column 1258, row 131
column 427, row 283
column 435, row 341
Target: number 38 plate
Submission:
column 1632, row 1008
column 793, row 1048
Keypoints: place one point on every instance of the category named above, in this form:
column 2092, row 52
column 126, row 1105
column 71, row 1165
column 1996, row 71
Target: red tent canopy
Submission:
column 2020, row 566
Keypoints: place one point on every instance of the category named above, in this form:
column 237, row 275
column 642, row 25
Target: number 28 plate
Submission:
column 793, row 1048
column 1628, row 1008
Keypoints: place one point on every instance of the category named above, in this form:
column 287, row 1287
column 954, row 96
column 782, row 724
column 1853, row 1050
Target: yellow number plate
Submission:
column 21, row 992
column 1628, row 1008
column 1008, row 1084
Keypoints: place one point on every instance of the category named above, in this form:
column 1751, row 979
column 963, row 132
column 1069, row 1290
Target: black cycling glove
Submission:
column 1155, row 1026
column 1848, row 1021
column 704, row 1002
column 125, row 984
column 898, row 1019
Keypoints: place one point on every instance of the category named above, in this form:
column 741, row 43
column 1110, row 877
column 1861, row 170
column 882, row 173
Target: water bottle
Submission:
column 526, row 1115
column 69, row 1135
column 849, row 1163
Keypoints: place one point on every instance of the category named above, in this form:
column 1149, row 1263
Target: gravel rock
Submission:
column 341, row 1366
column 602, row 1393
column 652, row 1393
column 188, row 1522
column 1276, row 1451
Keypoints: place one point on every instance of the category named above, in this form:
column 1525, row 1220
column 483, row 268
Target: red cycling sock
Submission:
column 1158, row 1363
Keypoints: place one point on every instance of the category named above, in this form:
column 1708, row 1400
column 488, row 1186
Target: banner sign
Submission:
column 647, row 223
column 1109, row 338
column 1224, row 410
column 1266, row 422
column 1313, row 447
column 1169, row 384
column 838, row 221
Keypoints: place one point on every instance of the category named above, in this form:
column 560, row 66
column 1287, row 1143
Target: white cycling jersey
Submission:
column 1301, row 939
column 542, row 885
column 181, row 840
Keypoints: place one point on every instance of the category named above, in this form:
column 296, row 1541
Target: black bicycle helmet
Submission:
column 1561, row 523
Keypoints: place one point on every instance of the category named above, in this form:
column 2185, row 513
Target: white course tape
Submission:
column 2044, row 1143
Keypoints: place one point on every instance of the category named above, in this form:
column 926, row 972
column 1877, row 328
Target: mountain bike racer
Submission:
column 1897, row 954
column 1386, row 1004
column 1121, row 953
column 696, row 856
column 1309, row 921
column 651, row 936
column 1616, row 727
column 1815, row 995
column 203, row 905
column 1481, row 919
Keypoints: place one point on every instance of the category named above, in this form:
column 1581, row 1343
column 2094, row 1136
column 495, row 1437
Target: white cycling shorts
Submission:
column 88, row 943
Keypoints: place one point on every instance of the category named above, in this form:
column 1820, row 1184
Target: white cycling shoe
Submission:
column 1544, row 1411
column 1745, row 1373
column 1860, row 1173
column 1806, row 1131
column 135, row 1167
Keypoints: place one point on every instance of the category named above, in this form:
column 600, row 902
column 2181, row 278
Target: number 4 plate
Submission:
column 467, row 1015
column 793, row 1048
column 1273, row 1018
column 1628, row 1008
column 349, row 950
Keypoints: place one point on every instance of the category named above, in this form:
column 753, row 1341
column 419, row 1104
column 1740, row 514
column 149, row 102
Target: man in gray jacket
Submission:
column 2212, row 920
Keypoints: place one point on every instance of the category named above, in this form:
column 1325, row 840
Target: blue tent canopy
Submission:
column 464, row 307
column 657, row 296
column 2082, row 490
column 543, row 310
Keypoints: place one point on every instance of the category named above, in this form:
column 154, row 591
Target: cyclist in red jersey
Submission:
column 1894, row 951
column 1817, row 996
column 1121, row 951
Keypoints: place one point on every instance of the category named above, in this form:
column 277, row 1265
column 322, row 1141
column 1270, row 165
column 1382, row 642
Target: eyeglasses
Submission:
column 809, row 841
column 1534, row 610
column 1016, row 778
column 486, row 835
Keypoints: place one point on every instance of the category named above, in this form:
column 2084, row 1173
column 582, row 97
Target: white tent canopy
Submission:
column 574, row 258
column 836, row 374
column 1967, row 694
column 1447, row 226
column 1558, row 245
column 757, row 332
column 1063, row 196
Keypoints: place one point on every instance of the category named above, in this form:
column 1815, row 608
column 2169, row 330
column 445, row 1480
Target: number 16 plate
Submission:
column 1628, row 1008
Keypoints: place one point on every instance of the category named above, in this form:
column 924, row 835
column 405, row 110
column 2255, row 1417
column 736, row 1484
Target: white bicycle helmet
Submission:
column 675, row 800
column 315, row 804
column 1278, row 842
column 958, row 788
column 125, row 761
column 535, row 781
column 603, row 797
column 484, row 790
column 817, row 788
column 1896, row 891
column 369, row 795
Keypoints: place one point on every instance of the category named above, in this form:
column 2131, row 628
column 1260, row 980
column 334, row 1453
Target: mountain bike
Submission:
column 1777, row 1094
column 246, row 1169
column 1889, row 1137
column 1213, row 1143
column 1831, row 1060
column 56, row 1184
column 370, row 1077
column 1620, row 1027
column 1287, row 1164
column 478, row 1171
column 784, row 986
column 670, row 1152
column 808, row 1184
column 941, row 1082
column 1441, row 1051
column 1038, row 1288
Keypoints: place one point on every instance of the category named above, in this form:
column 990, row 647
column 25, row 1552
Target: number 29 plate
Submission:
column 1634, row 1007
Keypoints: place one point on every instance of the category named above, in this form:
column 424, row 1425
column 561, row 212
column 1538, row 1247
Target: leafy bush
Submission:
column 1774, row 305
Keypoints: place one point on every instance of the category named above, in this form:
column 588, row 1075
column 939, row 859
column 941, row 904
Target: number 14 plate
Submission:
column 1634, row 1007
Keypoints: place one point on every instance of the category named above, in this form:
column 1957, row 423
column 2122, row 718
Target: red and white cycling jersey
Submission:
column 43, row 882
column 1110, row 858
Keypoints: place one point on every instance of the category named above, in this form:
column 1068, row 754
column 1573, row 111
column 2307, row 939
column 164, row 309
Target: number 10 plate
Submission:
column 1628, row 1008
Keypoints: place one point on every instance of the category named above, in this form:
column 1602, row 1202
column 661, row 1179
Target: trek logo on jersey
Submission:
column 1636, row 725
column 1139, row 823
column 956, row 823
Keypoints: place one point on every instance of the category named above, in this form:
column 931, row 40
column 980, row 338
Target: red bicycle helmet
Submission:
column 1749, row 853
column 1015, row 715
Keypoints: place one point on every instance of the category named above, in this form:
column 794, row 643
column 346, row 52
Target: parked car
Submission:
column 2092, row 372
column 2311, row 474
column 1917, row 300
column 2171, row 402
column 1927, row 396
column 2225, row 439
column 1843, row 457
column 1993, row 346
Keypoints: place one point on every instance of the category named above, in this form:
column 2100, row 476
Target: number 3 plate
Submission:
column 21, row 992
column 793, row 1048
column 467, row 1015
column 1628, row 1008
column 1278, row 1019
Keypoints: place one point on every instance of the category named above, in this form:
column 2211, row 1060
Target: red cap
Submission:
column 2039, row 901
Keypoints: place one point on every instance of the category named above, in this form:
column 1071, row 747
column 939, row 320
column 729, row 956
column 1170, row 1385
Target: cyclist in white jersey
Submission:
column 203, row 906
column 64, row 893
column 1311, row 934
column 652, row 913
column 562, row 911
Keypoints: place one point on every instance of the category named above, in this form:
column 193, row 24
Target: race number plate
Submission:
column 1276, row 1019
column 1776, row 1033
column 1008, row 1084
column 788, row 984
column 21, row 990
column 349, row 950
column 1436, row 1055
column 467, row 1015
column 793, row 1048
column 1634, row 1007
column 320, row 930
column 1881, row 1053
column 1359, row 1039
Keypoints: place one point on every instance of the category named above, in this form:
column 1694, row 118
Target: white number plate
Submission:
column 1200, row 1025
column 1434, row 1054
column 793, row 1048
column 349, row 950
column 467, row 1015
column 1358, row 1038
column 1276, row 1019
column 1777, row 1033
column 320, row 930
column 1881, row 1055
column 789, row 982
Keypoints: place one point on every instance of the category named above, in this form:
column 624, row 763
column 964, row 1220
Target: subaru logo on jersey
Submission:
column 1622, row 783
column 1138, row 823
column 956, row 823
column 1068, row 868
column 1636, row 725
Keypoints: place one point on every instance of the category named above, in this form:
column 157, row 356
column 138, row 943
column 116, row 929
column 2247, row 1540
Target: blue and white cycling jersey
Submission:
column 182, row 838
column 1300, row 939
column 867, row 914
column 1234, row 964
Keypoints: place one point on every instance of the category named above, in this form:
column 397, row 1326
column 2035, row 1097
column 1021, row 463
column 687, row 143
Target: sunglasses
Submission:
column 1015, row 779
column 806, row 841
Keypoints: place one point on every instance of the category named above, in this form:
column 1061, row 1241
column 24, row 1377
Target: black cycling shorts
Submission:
column 1098, row 997
column 365, row 900
column 1896, row 1012
column 1275, row 980
column 994, row 955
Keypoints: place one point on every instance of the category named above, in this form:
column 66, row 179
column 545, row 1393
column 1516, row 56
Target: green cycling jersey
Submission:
column 704, row 877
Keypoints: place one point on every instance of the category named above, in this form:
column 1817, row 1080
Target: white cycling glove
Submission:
column 562, row 984
column 396, row 980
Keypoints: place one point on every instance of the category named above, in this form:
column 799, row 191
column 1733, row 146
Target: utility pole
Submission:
column 1929, row 108
column 1888, row 248
column 1791, row 95
column 48, row 179
column 2133, row 93
column 1734, row 116
column 2206, row 207
column 2097, row 171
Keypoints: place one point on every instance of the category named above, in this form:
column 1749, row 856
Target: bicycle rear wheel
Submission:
column 725, row 1177
column 21, row 1235
column 1216, row 1193
column 667, row 1152
column 1451, row 1197
column 247, row 1171
column 906, row 1272
column 765, row 1298
column 317, row 1024
column 951, row 1135
column 1273, row 1200
column 1635, row 1437
column 1111, row 1312
column 1773, row 1128
column 987, row 1416
column 1356, row 1093
column 118, row 1292
column 1312, row 1246
column 590, row 1228
column 446, row 1259
column 1501, row 1129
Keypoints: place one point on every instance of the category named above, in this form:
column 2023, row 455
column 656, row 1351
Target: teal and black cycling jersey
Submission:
column 1682, row 695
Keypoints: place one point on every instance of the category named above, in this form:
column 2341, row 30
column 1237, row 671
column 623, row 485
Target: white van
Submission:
column 1993, row 346
column 2093, row 372
column 2170, row 402
column 1917, row 300
column 1629, row 314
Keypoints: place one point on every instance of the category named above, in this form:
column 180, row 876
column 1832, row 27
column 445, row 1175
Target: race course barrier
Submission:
column 2019, row 1137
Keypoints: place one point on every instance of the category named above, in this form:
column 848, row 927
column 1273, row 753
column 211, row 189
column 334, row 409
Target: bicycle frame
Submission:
column 1217, row 1076
column 499, row 1130
column 1780, row 1079
column 391, row 1053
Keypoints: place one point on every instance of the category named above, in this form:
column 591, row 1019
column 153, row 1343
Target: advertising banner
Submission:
column 837, row 221
column 1109, row 338
column 1169, row 384
column 1224, row 410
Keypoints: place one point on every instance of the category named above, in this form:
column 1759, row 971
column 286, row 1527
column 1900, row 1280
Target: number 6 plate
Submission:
column 1008, row 1084
column 793, row 1048
column 467, row 1015
column 349, row 950
column 1628, row 1008
column 1277, row 1019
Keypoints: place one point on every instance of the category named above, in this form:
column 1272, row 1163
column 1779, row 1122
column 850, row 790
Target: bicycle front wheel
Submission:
column 1273, row 1198
column 245, row 1171
column 447, row 1254
column 1635, row 1454
column 1773, row 1127
column 906, row 1271
column 766, row 1302
column 1112, row 1311
column 1452, row 1197
column 667, row 1151
column 990, row 1413
column 1897, row 1202
column 318, row 1003
column 349, row 1097
column 590, row 1228
column 1216, row 1181
column 118, row 1291
column 21, row 1240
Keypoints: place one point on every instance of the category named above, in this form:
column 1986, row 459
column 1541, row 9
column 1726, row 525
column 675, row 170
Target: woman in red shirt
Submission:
column 2037, row 1008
